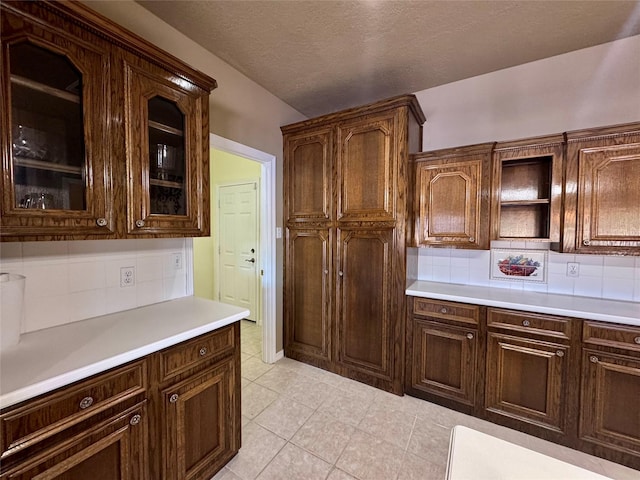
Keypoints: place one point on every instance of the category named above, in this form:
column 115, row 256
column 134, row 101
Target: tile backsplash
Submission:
column 68, row 281
column 600, row 276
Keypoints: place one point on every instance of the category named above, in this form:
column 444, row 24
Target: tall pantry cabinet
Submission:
column 346, row 203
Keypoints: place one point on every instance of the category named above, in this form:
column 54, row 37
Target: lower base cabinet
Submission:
column 173, row 415
column 527, row 381
column 569, row 381
column 610, row 393
column 444, row 353
column 198, row 421
column 113, row 449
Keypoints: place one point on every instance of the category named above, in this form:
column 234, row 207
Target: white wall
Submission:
column 592, row 87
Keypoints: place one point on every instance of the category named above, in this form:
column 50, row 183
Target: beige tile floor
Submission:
column 302, row 423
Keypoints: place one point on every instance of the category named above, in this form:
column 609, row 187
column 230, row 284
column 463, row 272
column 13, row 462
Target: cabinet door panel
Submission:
column 308, row 176
column 525, row 380
column 445, row 360
column 610, row 392
column 56, row 172
column 308, row 293
column 365, row 300
column 113, row 450
column 168, row 182
column 199, row 420
column 367, row 170
column 609, row 197
column 449, row 203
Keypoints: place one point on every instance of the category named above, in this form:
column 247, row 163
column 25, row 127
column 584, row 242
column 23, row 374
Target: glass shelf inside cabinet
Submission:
column 47, row 137
column 166, row 158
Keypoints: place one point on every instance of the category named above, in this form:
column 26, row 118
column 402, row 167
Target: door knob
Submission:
column 250, row 260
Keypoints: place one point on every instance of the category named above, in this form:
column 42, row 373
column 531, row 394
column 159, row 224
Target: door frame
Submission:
column 267, row 239
column 216, row 241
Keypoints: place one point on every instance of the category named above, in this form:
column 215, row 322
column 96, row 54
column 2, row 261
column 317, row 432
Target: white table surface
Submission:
column 477, row 456
column 615, row 311
column 58, row 356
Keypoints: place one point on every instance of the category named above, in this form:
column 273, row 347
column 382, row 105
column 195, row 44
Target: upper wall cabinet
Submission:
column 602, row 199
column 56, row 166
column 526, row 197
column 166, row 140
column 103, row 135
column 451, row 204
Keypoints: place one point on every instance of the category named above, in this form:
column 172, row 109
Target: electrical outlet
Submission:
column 573, row 269
column 278, row 232
column 176, row 261
column 127, row 276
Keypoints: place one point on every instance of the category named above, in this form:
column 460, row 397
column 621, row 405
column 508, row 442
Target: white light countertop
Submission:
column 615, row 311
column 48, row 359
column 477, row 456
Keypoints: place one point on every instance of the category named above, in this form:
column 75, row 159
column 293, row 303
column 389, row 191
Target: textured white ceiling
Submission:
column 321, row 56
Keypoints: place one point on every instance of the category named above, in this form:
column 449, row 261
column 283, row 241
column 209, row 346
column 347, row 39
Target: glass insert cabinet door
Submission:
column 165, row 141
column 47, row 139
column 54, row 174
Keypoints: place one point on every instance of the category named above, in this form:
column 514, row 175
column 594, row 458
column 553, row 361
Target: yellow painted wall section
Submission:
column 225, row 168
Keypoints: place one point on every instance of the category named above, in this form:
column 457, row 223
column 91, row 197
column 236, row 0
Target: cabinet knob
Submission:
column 526, row 323
column 443, row 310
column 586, row 242
column 101, row 222
column 341, row 273
column 593, row 359
column 139, row 223
column 173, row 398
column 135, row 419
column 203, row 351
column 636, row 340
column 86, row 402
column 471, row 239
column 560, row 353
column 326, row 272
column 470, row 336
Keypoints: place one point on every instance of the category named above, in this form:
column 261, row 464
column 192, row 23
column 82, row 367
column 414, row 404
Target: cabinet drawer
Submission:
column 559, row 327
column 611, row 335
column 457, row 312
column 200, row 350
column 53, row 413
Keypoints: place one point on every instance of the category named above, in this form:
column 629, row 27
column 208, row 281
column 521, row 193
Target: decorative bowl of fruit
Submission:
column 518, row 266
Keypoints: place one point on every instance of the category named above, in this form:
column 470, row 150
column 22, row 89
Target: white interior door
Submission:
column 238, row 249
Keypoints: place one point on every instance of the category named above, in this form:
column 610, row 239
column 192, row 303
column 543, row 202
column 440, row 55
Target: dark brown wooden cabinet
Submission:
column 107, row 136
column 199, row 420
column 528, row 373
column 115, row 448
column 451, row 204
column 562, row 379
column 172, row 415
column 445, row 353
column 602, row 198
column 526, row 199
column 167, row 138
column 366, row 303
column 609, row 422
column 308, row 293
column 346, row 212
